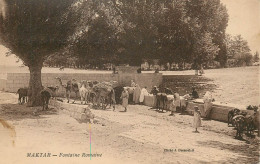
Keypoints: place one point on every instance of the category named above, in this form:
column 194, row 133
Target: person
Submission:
column 207, row 99
column 132, row 83
column 144, row 92
column 172, row 107
column 168, row 91
column 114, row 70
column 124, row 97
column 137, row 93
column 154, row 91
column 196, row 119
column 177, row 100
column 201, row 70
column 139, row 70
column 194, row 94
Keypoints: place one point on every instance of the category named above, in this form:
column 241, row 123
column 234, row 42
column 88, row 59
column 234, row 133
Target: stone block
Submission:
column 149, row 101
column 84, row 117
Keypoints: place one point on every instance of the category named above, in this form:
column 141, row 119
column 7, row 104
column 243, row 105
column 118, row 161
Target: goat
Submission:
column 45, row 96
column 118, row 90
column 251, row 122
column 54, row 91
column 239, row 122
column 83, row 91
column 71, row 86
column 231, row 114
column 161, row 98
column 62, row 68
column 23, row 93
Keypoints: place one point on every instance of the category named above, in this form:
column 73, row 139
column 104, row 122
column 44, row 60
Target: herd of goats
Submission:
column 242, row 121
column 101, row 94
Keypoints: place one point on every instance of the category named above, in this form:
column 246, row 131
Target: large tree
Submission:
column 95, row 40
column 211, row 17
column 32, row 30
column 238, row 50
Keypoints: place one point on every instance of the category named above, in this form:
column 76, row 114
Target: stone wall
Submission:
column 17, row 80
column 3, row 84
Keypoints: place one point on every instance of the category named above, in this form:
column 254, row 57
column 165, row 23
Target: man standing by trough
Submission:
column 124, row 98
column 207, row 99
column 144, row 92
column 137, row 93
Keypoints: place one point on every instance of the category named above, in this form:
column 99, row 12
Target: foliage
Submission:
column 256, row 57
column 238, row 50
column 251, row 107
column 127, row 31
column 32, row 30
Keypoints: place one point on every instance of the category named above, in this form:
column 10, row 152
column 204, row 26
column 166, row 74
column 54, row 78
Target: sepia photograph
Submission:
column 129, row 81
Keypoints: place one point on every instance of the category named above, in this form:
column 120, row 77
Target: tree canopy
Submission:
column 127, row 31
column 112, row 31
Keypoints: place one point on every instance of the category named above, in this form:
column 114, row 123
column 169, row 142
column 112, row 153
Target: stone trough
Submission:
column 79, row 112
column 219, row 111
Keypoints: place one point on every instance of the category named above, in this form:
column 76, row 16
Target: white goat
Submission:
column 83, row 91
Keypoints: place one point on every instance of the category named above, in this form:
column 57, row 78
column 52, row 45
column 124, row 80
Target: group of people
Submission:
column 134, row 94
column 137, row 96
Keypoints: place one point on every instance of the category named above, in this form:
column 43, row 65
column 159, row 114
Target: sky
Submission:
column 244, row 19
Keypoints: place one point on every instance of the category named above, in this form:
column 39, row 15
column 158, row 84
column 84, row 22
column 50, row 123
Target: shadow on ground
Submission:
column 249, row 152
column 18, row 112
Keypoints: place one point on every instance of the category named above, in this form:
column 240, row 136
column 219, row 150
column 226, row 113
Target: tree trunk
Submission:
column 35, row 85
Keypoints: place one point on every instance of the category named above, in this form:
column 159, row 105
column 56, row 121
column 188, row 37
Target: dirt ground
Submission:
column 236, row 85
column 230, row 85
column 140, row 135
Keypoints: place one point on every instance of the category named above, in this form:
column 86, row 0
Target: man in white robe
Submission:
column 207, row 99
column 144, row 92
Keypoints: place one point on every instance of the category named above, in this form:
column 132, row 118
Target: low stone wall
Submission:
column 3, row 84
column 80, row 113
column 17, row 80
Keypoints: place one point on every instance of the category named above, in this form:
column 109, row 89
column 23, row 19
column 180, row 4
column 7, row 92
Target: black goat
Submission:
column 118, row 91
column 45, row 95
column 23, row 93
column 54, row 91
column 231, row 114
column 240, row 125
column 161, row 98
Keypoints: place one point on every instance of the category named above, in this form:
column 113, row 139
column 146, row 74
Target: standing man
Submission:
column 154, row 92
column 137, row 93
column 144, row 92
column 131, row 92
column 207, row 99
column 177, row 100
column 132, row 83
column 196, row 119
column 124, row 97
